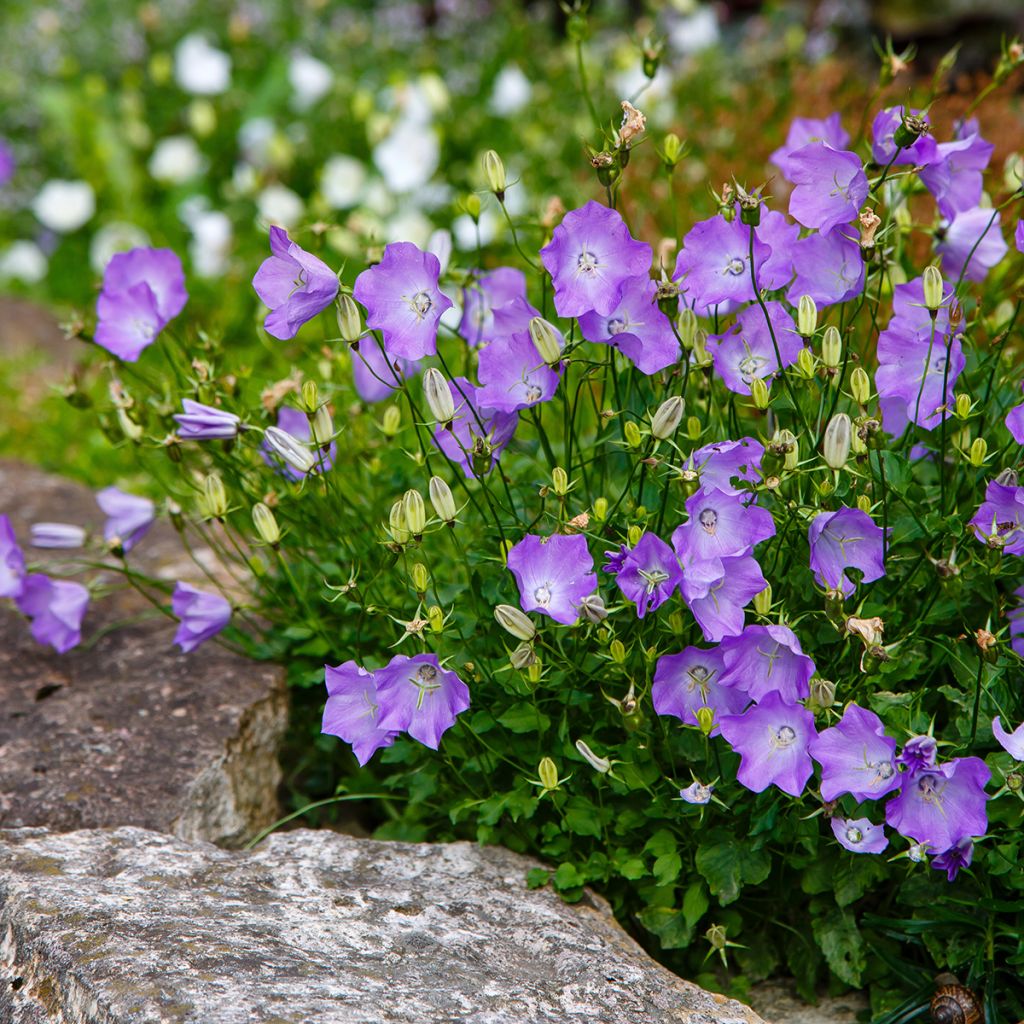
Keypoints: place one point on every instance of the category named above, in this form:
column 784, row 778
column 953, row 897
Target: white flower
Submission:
column 200, row 68
column 279, row 205
column 176, row 159
column 112, row 238
column 211, row 243
column 64, row 206
column 409, row 156
column 512, row 91
column 23, row 261
column 342, row 181
column 310, row 78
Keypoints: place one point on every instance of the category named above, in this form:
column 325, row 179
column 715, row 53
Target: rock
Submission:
column 131, row 925
column 127, row 730
column 777, row 1001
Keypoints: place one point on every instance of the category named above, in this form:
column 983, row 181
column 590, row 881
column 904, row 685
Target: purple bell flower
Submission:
column 352, row 710
column 375, row 375
column 12, row 561
column 942, row 805
column 720, row 525
column 648, row 574
column 477, row 435
column 1018, row 236
column 846, row 539
column 56, row 608
column 690, row 680
column 201, row 615
column 955, row 176
column 717, row 591
column 883, row 147
column 771, row 739
column 746, row 351
column 781, row 237
column 1015, row 616
column 955, row 858
column 143, row 290
column 718, row 464
column 697, row 793
column 513, row 375
column 554, row 575
column 1015, row 420
column 62, row 536
column 829, row 268
column 205, row 423
column 1011, row 742
column 129, row 517
column 972, row 235
column 999, row 521
column 636, row 327
column 918, row 752
column 403, row 300
column 495, row 305
column 416, row 695
column 591, row 257
column 858, row 835
column 802, row 132
column 296, row 423
column 856, row 757
column 767, row 659
column 831, row 186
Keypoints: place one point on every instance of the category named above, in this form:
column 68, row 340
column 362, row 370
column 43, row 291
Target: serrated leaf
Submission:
column 582, row 817
column 537, row 878
column 633, row 869
column 841, row 942
column 669, row 925
column 728, row 865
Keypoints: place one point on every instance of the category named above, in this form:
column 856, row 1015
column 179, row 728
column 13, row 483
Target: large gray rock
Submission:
column 131, row 926
column 127, row 730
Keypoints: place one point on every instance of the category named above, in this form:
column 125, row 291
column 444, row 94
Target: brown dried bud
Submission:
column 869, row 222
column 633, row 123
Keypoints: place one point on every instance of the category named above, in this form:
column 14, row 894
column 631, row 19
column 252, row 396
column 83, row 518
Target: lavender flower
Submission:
column 513, row 375
column 591, row 257
column 296, row 423
column 416, row 695
column 375, row 375
column 636, row 327
column 1018, row 236
column 717, row 591
column 802, row 132
column 856, row 757
column 918, row 753
column 955, row 176
column 973, row 239
column 767, row 659
column 352, row 710
column 204, row 422
column 647, row 574
column 201, row 615
column 955, row 858
column 829, row 268
column 1015, row 420
column 720, row 525
column 883, row 147
column 56, row 608
column 477, row 435
column 697, row 793
column 294, row 284
column 746, row 350
column 831, row 186
column 554, row 575
column 143, row 290
column 858, row 835
column 403, row 300
column 718, row 464
column 771, row 739
column 942, row 805
column 12, row 561
column 8, row 164
column 494, row 305
column 713, row 267
column 781, row 237
column 690, row 680
column 999, row 521
column 1011, row 742
column 56, row 535
column 846, row 539
column 129, row 517
column 1015, row 615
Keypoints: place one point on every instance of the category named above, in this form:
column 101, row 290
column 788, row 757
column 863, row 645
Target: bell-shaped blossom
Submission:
column 918, row 752
column 973, row 239
column 1018, row 236
column 829, row 268
column 403, row 300
column 717, row 591
column 719, row 464
column 200, row 613
column 720, row 525
column 955, row 176
column 1016, row 619
column 205, row 422
column 636, row 327
column 1015, row 422
column 831, row 186
column 859, row 835
column 685, row 682
column 942, row 805
column 648, row 574
column 713, row 266
column 477, row 435
column 883, row 146
column 56, row 608
column 697, row 793
column 780, row 235
column 375, row 375
column 746, row 349
column 772, row 739
column 416, row 695
column 352, row 711
column 846, row 539
column 802, row 132
column 856, row 757
column 12, row 561
column 294, row 284
column 143, row 290
column 554, row 575
column 956, row 857
column 591, row 258
column 129, row 516
column 61, row 536
column 999, row 521
column 494, row 305
column 513, row 376
column 296, row 423
column 1011, row 742
column 767, row 659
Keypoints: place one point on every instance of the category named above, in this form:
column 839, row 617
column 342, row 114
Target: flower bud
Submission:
column 932, row 289
column 671, row 150
column 860, row 385
column 392, row 421
column 439, row 396
column 515, row 621
column 633, row 535
column 442, row 499
column 560, row 481
column 759, row 393
column 763, row 601
column 310, row 397
column 350, row 323
column 617, row 651
column 1015, row 782
column 600, row 509
column 494, row 174
column 534, row 671
column 592, row 609
column 419, row 577
column 693, row 428
column 701, row 356
column 864, row 503
column 266, row 524
column 979, row 449
column 215, row 498
column 632, row 434
column 806, row 316
column 415, row 513
column 397, row 525
column 599, row 764
column 547, row 772
column 805, row 363
column 129, row 427
column 963, row 406
column 667, row 418
column 56, row 535
column 435, row 616
column 290, row 449
column 546, row 340
column 321, row 427
column 705, row 719
column 832, row 348
column 1007, row 477
column 687, row 326
column 836, row 447
column 823, row 693
column 716, row 936
column 523, row 657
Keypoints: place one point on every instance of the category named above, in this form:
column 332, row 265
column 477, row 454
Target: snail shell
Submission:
column 955, row 1004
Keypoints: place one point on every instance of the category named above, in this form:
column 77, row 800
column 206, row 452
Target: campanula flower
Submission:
column 713, row 266
column 477, row 435
column 495, row 305
column 697, row 793
column 845, row 539
column 1011, row 742
column 513, row 375
column 856, row 757
column 205, row 422
column 690, row 680
column 1015, row 616
column 12, row 561
column 375, row 375
column 201, row 615
column 746, row 350
column 973, row 239
column 717, row 591
column 554, row 575
column 56, row 535
column 416, row 695
column 766, row 659
column 918, row 752
column 129, row 516
column 1015, row 422
column 956, row 857
column 1018, row 236
column 720, row 463
column 802, row 132
column 883, row 147
column 647, row 574
column 831, row 186
column 859, row 835
column 296, row 423
column 720, row 525
column 780, row 235
column 352, row 710
column 955, row 176
column 999, row 521
column 56, row 608
column 829, row 268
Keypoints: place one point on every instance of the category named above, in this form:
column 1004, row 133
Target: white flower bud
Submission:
column 860, row 385
column 687, row 325
column 266, row 524
column 667, row 418
column 322, row 426
column 832, row 348
column 806, row 316
column 513, row 620
column 289, row 448
column 932, row 288
column 439, row 396
column 56, row 535
column 350, row 323
column 599, row 764
column 547, row 340
column 415, row 513
column 396, row 523
column 836, row 447
column 494, row 172
column 442, row 499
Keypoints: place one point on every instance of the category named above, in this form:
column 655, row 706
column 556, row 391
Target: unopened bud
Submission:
column 310, row 397
column 129, row 427
column 290, row 449
column 435, row 616
column 693, row 428
column 523, row 657
column 322, row 427
column 701, row 356
column 632, row 434
column 805, row 363
column 439, row 396
column 671, row 150
column 979, row 449
column 806, row 316
column 415, row 513
column 864, row 503
column 515, row 621
column 560, row 481
column 909, row 130
column 860, row 385
column 687, row 327
column 1014, row 782
column 832, row 347
column 705, row 719
column 963, row 407
column 350, row 323
column 666, row 419
column 442, row 499
column 633, row 535
column 763, row 601
column 759, row 393
column 617, row 651
column 599, row 764
column 266, row 524
column 547, row 773
column 392, row 421
column 397, row 525
column 600, row 509
column 823, row 693
column 932, row 289
column 494, row 173
column 836, row 447
column 419, row 577
column 215, row 497
column 546, row 340
column 592, row 609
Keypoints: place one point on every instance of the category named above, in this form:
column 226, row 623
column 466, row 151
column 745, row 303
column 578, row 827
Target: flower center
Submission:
column 749, row 366
column 653, row 578
column 708, row 520
column 420, row 304
column 699, row 676
column 939, row 364
column 785, row 736
column 586, row 262
column 617, row 325
column 854, row 834
column 735, row 266
column 425, row 680
column 542, row 595
column 533, row 393
column 883, row 769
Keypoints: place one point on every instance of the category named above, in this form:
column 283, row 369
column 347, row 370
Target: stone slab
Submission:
column 111, row 927
column 127, row 730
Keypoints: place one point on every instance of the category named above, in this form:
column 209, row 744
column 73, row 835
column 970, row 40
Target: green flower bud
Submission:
column 693, row 428
column 419, row 577
column 805, row 363
column 832, row 348
column 397, row 525
column 547, row 772
column 546, row 340
column 392, row 421
column 701, row 355
column 439, row 396
column 415, row 513
column 979, row 449
column 310, row 397
column 560, row 481
column 763, row 601
column 266, row 525
column 823, row 694
column 617, row 651
column 687, row 326
column 667, row 418
column 215, row 497
column 633, row 535
column 671, row 150
column 806, row 316
column 494, row 174
column 836, row 447
column 860, row 385
column 435, row 616
column 350, row 322
column 909, row 130
column 322, row 427
column 632, row 434
column 759, row 393
column 442, row 499
column 705, row 719
column 600, row 509
column 534, row 671
column 932, row 289
column 1014, row 782
column 963, row 407
column 864, row 503
column 515, row 621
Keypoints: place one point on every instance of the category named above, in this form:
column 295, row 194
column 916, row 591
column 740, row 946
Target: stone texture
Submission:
column 101, row 927
column 777, row 1001
column 127, row 730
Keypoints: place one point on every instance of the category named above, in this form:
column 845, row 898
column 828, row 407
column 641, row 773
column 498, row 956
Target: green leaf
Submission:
column 582, row 818
column 633, row 869
column 669, row 925
column 841, row 942
column 695, row 903
column 567, row 876
column 728, row 865
column 663, row 841
column 523, row 717
column 537, row 878
column 667, row 868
